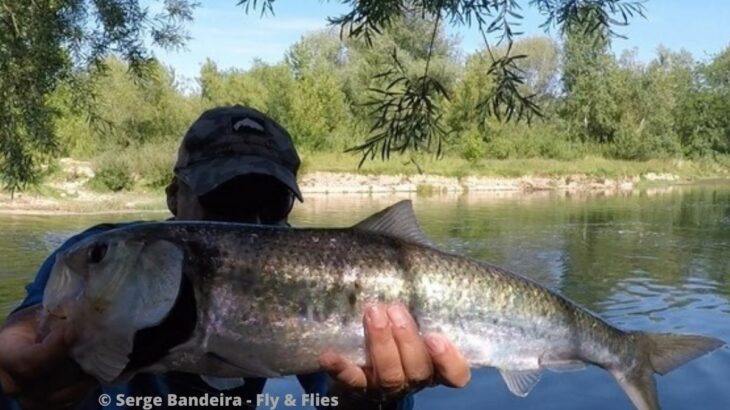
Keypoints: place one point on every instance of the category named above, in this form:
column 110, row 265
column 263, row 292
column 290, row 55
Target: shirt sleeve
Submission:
column 34, row 290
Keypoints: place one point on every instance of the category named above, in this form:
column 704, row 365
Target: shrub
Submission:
column 153, row 163
column 113, row 175
column 473, row 146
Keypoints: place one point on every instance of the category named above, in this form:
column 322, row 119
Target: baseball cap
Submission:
column 226, row 142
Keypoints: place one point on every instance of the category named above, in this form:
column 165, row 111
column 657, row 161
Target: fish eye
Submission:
column 97, row 252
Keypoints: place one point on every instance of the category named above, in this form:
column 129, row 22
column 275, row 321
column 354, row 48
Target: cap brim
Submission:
column 204, row 176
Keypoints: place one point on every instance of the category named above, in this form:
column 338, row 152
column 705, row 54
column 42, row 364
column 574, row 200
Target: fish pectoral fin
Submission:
column 561, row 365
column 520, row 382
column 223, row 383
column 104, row 358
column 397, row 221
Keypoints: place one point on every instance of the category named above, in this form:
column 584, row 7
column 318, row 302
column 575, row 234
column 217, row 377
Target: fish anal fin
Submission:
column 397, row 221
column 520, row 382
column 223, row 383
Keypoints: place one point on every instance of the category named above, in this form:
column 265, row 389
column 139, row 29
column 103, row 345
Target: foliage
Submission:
column 670, row 107
column 407, row 115
column 410, row 102
column 45, row 42
column 702, row 118
column 589, row 106
column 401, row 89
column 113, row 175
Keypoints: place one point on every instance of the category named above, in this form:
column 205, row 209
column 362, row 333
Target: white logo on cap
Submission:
column 248, row 123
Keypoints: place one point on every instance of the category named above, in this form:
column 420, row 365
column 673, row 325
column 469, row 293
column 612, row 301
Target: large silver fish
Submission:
column 232, row 300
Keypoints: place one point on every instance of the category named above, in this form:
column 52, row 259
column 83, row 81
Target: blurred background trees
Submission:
column 72, row 88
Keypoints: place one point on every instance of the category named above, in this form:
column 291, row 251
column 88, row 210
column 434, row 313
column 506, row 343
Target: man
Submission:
column 234, row 164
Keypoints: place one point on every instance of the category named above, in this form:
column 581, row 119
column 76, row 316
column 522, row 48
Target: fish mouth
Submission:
column 63, row 289
column 55, row 315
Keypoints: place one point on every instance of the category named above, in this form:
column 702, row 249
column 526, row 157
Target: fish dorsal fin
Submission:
column 396, row 221
column 520, row 382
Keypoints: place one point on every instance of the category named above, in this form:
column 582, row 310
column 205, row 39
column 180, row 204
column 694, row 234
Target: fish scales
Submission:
column 297, row 288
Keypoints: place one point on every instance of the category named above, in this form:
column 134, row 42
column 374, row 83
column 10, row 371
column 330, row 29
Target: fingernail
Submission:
column 377, row 317
column 327, row 360
column 436, row 344
column 398, row 316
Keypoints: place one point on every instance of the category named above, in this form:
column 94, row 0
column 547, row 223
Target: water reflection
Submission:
column 652, row 260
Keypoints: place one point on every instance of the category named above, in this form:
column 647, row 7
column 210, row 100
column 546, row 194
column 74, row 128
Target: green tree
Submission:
column 42, row 42
column 136, row 111
column 268, row 88
column 319, row 113
column 319, row 117
column 228, row 87
column 589, row 106
column 408, row 112
column 703, row 123
column 541, row 67
column 647, row 99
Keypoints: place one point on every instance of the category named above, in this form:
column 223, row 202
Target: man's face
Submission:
column 254, row 198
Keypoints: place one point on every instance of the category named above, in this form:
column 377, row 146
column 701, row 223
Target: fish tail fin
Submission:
column 661, row 353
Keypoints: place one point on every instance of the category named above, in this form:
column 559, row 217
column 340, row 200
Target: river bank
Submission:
column 71, row 195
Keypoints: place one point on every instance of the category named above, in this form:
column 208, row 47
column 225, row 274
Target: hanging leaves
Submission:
column 406, row 113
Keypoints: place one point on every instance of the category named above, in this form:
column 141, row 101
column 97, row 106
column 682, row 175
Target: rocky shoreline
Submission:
column 71, row 197
column 347, row 183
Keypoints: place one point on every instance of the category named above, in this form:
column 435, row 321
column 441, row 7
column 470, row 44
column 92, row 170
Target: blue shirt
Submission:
column 177, row 383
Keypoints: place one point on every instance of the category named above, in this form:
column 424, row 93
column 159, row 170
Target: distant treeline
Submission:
column 592, row 102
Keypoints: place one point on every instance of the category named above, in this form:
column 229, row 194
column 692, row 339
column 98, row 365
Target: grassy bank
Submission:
column 151, row 167
column 514, row 168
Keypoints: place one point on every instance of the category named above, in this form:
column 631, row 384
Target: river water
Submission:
column 655, row 260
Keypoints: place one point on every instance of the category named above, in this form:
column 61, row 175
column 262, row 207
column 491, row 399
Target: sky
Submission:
column 224, row 33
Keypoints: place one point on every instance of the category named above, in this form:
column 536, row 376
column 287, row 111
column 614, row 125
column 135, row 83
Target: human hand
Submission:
column 399, row 358
column 35, row 368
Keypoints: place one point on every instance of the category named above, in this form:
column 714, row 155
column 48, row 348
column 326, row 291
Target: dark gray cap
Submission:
column 227, row 142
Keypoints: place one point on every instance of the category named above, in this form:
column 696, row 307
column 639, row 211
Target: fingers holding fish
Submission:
column 23, row 355
column 37, row 369
column 414, row 356
column 384, row 356
column 450, row 364
column 344, row 371
column 408, row 360
column 398, row 359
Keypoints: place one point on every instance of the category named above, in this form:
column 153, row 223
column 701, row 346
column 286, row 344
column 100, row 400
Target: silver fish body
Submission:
column 239, row 301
